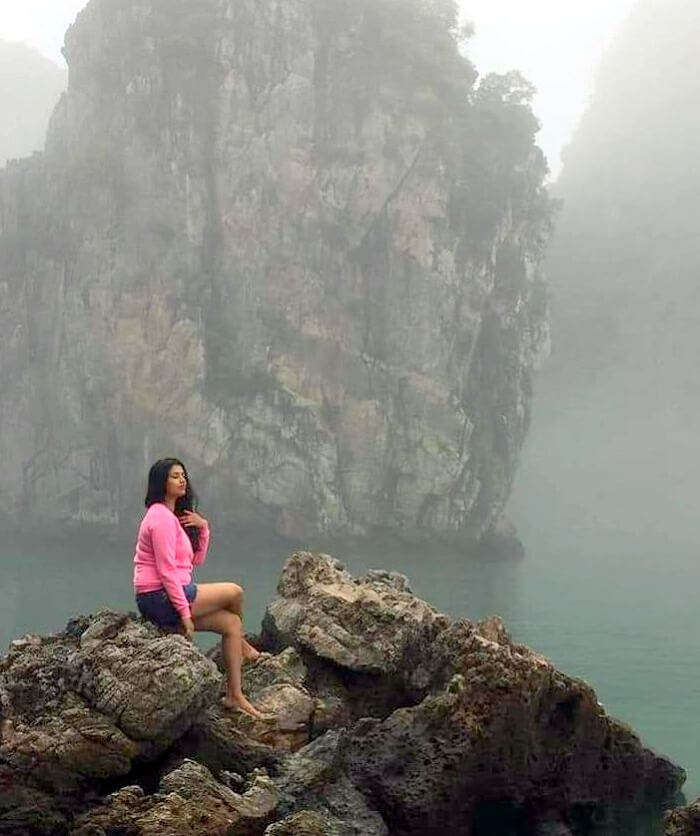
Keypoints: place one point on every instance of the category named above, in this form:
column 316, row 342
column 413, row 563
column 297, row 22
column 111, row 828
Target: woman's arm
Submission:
column 201, row 554
column 163, row 539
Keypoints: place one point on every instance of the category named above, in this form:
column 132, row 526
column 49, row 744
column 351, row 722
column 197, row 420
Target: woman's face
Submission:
column 176, row 483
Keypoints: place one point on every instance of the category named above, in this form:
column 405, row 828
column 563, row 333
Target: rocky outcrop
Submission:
column 389, row 718
column 683, row 822
column 189, row 801
column 85, row 707
column 488, row 729
column 86, row 704
column 291, row 242
column 323, row 609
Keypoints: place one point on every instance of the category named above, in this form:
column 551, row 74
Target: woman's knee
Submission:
column 231, row 624
column 236, row 595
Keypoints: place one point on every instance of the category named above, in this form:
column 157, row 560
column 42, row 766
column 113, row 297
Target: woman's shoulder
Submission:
column 159, row 512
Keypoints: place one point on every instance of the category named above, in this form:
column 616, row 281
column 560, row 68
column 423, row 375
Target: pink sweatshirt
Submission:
column 164, row 557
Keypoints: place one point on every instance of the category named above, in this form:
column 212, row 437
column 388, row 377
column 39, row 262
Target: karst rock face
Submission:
column 291, row 242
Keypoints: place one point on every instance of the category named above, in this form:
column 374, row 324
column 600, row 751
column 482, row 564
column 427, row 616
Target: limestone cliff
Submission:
column 292, row 242
column 616, row 442
column 30, row 86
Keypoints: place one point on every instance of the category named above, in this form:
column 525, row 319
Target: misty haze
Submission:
column 314, row 250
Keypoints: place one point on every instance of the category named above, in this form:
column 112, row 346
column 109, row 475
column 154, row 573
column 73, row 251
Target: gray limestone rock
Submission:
column 509, row 733
column 335, row 279
column 309, row 823
column 481, row 726
column 313, row 779
column 226, row 739
column 151, row 685
column 189, row 802
column 367, row 626
column 84, row 704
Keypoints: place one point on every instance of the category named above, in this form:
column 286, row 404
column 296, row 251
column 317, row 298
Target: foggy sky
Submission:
column 556, row 45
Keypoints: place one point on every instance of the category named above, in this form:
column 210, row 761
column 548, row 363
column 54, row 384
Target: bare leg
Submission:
column 228, row 625
column 218, row 596
column 212, row 597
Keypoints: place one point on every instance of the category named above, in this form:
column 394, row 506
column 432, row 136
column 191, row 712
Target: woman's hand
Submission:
column 187, row 626
column 193, row 519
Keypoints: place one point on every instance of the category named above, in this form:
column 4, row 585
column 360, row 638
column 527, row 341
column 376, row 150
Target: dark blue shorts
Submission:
column 156, row 606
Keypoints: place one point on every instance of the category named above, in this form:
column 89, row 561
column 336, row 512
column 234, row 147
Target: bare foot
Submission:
column 248, row 651
column 246, row 707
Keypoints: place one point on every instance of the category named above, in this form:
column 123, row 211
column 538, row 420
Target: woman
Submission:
column 172, row 539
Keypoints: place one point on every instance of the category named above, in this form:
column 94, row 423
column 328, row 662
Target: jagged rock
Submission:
column 217, row 739
column 220, row 737
column 152, row 686
column 685, row 821
column 454, row 728
column 189, row 802
column 516, row 734
column 478, row 717
column 83, row 704
column 366, row 625
column 302, row 777
column 232, row 780
column 290, row 711
column 27, row 810
column 275, row 684
column 395, row 579
column 309, row 823
column 380, row 638
column 494, row 630
column 313, row 779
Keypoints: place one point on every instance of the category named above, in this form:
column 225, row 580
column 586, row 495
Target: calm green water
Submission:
column 621, row 614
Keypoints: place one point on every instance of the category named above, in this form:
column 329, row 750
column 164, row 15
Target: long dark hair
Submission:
column 157, row 477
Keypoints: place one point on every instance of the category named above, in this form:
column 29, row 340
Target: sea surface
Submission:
column 621, row 614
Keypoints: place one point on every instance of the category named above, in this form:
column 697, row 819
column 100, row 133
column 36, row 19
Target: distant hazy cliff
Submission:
column 289, row 241
column 615, row 443
column 29, row 89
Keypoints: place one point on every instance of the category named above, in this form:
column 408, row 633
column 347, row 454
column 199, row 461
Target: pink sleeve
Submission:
column 200, row 555
column 163, row 538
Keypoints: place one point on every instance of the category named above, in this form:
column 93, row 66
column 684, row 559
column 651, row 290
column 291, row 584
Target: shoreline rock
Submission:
column 684, row 821
column 391, row 718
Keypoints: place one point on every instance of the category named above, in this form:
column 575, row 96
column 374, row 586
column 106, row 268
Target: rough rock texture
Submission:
column 26, row 809
column 287, row 240
column 84, row 705
column 494, row 732
column 189, row 802
column 275, row 685
column 369, row 625
column 683, row 822
column 314, row 778
column 112, row 727
column 309, row 823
